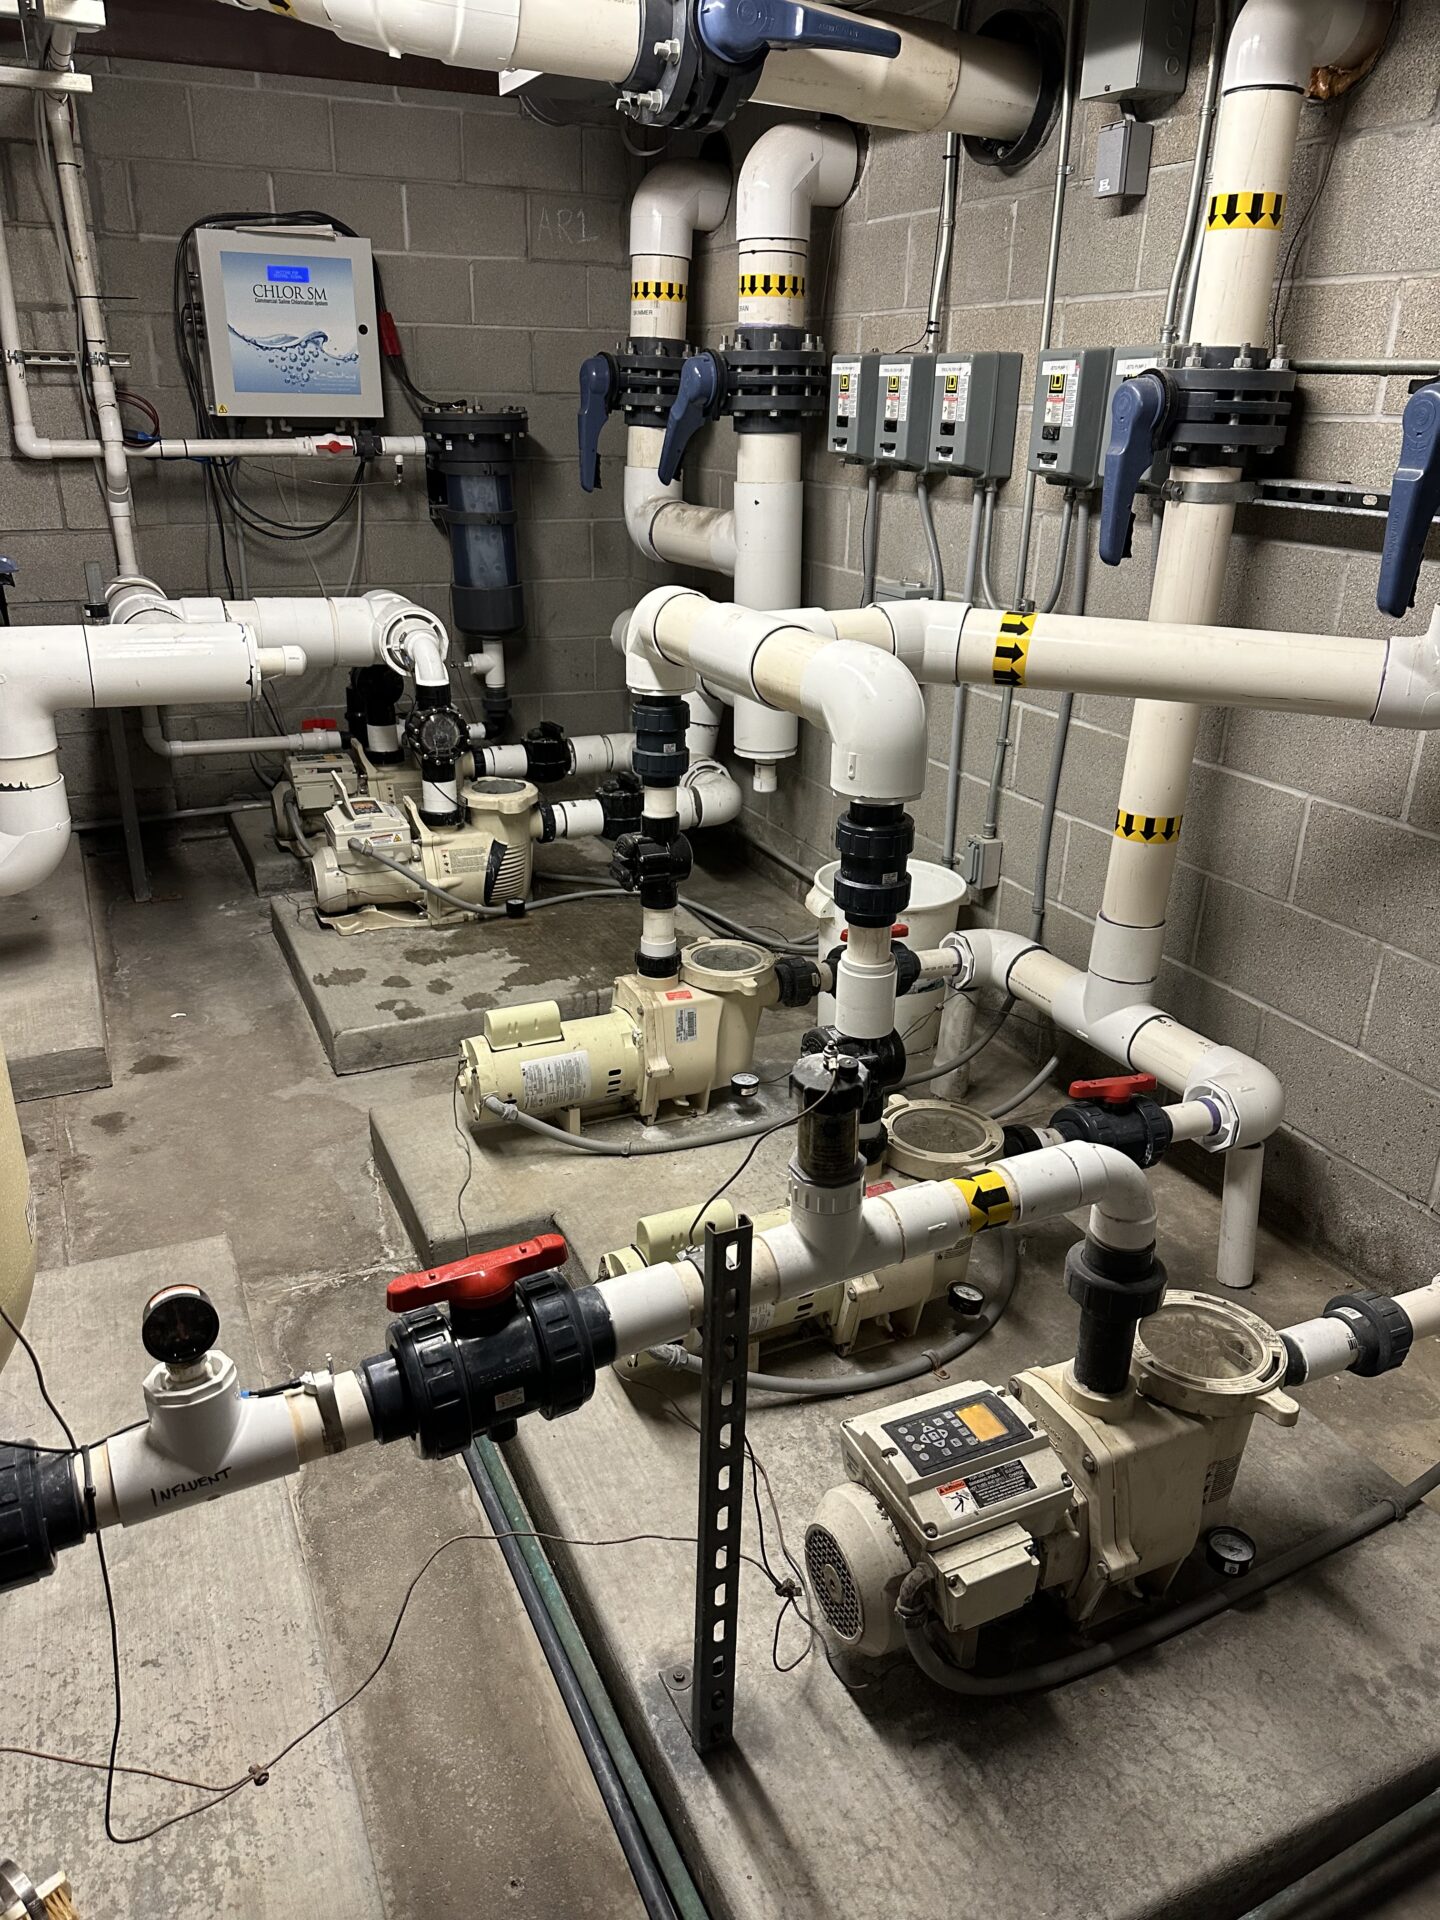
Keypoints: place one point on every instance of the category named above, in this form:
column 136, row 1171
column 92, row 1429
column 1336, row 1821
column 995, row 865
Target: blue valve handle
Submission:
column 1414, row 502
column 599, row 383
column 702, row 388
column 1138, row 415
column 741, row 32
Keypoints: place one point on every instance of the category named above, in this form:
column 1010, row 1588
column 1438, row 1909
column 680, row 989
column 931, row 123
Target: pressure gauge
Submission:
column 1229, row 1552
column 179, row 1325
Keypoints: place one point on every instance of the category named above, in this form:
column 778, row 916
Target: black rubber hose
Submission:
column 636, row 1848
column 1154, row 1633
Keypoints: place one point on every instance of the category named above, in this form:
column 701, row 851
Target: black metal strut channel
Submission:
column 725, row 1330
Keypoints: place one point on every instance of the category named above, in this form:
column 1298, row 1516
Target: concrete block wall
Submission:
column 502, row 243
column 1304, row 925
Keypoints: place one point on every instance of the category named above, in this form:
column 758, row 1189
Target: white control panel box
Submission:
column 287, row 324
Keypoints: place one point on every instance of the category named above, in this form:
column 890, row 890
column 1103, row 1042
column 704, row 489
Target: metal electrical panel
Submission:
column 1137, row 49
column 1122, row 160
column 853, row 382
column 972, row 414
column 902, row 411
column 1070, row 422
column 288, row 324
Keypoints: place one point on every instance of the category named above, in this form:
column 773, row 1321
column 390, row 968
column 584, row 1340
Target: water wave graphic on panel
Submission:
column 303, row 362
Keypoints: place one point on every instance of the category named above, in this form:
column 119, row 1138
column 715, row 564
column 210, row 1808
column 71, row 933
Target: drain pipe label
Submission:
column 1148, row 829
column 1234, row 212
column 1012, row 649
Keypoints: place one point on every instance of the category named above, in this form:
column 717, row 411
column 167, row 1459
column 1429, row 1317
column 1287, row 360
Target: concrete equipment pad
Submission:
column 222, row 1654
column 271, row 868
column 392, row 996
column 52, row 1023
column 1188, row 1784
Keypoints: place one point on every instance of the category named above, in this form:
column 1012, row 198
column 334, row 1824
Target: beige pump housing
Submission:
column 675, row 1039
column 1045, row 1486
column 485, row 862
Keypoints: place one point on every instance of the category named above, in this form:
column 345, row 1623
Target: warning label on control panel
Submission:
column 895, row 380
column 955, row 396
column 847, row 388
column 687, row 1025
column 989, row 1488
column 561, row 1080
column 1062, row 388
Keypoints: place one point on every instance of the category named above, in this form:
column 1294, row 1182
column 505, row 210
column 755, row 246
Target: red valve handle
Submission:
column 898, row 932
column 318, row 723
column 1118, row 1090
column 480, row 1280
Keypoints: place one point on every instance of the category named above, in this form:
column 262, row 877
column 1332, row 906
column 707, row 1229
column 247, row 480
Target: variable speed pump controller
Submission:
column 287, row 323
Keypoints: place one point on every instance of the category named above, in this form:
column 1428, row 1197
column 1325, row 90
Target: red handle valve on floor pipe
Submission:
column 480, row 1280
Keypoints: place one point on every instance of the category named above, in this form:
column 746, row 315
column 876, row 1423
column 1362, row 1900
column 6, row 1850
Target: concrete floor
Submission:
column 226, row 1123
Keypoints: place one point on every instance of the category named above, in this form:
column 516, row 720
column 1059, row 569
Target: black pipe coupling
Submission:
column 622, row 802
column 547, row 754
column 40, row 1512
column 652, row 867
column 1115, row 1289
column 798, row 978
column 1381, row 1328
column 831, row 1090
column 883, row 1060
column 660, row 720
column 874, row 841
column 370, row 702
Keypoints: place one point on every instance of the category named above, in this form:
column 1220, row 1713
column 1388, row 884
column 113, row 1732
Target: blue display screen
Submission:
column 295, row 276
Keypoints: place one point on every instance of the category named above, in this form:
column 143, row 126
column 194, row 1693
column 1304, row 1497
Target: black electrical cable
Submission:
column 778, row 1126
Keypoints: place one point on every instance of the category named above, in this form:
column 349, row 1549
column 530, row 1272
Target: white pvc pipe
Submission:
column 316, row 740
column 664, row 1302
column 867, row 701
column 769, row 531
column 354, row 631
column 672, row 203
column 662, row 524
column 1240, row 1216
column 46, row 670
column 1328, row 1345
column 965, row 83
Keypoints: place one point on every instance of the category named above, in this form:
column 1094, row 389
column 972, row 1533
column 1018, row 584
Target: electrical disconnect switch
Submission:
column 1067, row 425
column 973, row 408
column 905, row 385
column 853, row 384
column 983, row 859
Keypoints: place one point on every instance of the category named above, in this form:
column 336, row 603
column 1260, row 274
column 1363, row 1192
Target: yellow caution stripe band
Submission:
column 1012, row 649
column 772, row 286
column 1148, row 829
column 987, row 1198
column 1234, row 212
column 659, row 290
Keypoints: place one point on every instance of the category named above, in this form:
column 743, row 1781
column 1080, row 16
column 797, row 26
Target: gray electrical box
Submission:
column 1137, row 49
column 902, row 410
column 1071, row 419
column 972, row 414
column 1122, row 160
column 853, row 380
column 288, row 323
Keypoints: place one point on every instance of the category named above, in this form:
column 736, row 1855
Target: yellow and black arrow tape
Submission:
column 658, row 290
column 1148, row 829
column 1232, row 212
column 1012, row 648
column 988, row 1199
column 774, row 286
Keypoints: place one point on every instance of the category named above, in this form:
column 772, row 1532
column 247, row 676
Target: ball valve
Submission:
column 1414, row 502
column 707, row 66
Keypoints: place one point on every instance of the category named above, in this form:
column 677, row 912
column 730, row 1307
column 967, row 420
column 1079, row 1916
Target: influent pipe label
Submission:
column 773, row 286
column 1232, row 212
